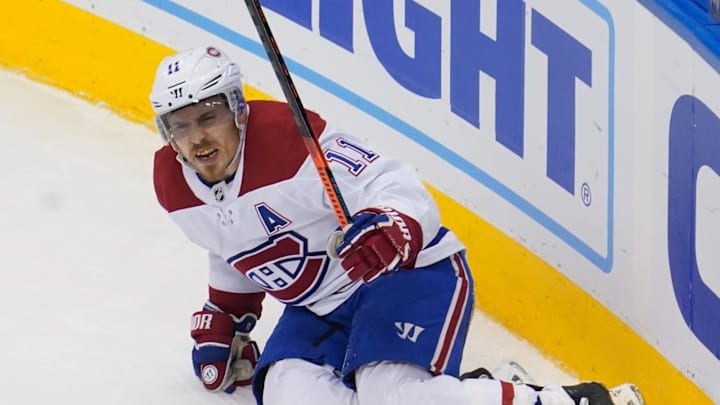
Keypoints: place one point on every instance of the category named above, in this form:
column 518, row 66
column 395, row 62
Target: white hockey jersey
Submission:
column 266, row 229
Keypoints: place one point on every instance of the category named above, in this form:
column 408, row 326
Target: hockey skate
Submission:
column 593, row 393
column 626, row 394
column 588, row 393
column 512, row 371
column 509, row 371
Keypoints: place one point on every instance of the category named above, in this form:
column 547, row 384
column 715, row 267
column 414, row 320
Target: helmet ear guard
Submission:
column 191, row 76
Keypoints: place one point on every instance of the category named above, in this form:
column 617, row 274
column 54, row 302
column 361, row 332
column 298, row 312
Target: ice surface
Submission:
column 97, row 282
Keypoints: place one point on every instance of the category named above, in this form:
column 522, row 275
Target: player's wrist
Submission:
column 243, row 323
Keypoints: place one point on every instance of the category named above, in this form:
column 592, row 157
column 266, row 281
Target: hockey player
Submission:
column 381, row 319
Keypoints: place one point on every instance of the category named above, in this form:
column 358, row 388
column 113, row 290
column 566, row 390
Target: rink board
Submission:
column 59, row 44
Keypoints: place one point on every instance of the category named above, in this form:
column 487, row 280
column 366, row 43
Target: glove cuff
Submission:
column 213, row 326
column 244, row 323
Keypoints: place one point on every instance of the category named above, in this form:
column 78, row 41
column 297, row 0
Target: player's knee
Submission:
column 389, row 382
column 285, row 381
column 288, row 380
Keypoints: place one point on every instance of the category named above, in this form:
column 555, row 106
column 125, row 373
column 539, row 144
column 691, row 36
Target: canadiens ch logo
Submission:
column 283, row 267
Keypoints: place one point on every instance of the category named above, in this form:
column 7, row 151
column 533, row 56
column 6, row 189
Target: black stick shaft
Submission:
column 293, row 99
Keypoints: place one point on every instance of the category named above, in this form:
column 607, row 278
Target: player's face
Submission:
column 206, row 136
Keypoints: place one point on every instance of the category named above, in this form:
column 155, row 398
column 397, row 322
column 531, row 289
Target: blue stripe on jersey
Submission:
column 441, row 232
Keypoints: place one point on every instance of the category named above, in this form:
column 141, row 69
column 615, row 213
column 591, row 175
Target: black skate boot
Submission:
column 589, row 393
column 480, row 372
column 509, row 371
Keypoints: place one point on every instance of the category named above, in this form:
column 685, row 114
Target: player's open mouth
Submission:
column 206, row 155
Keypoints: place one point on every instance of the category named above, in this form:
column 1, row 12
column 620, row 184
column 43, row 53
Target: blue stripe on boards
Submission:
column 604, row 263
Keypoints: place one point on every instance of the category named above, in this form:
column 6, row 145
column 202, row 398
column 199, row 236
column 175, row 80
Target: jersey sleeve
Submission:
column 231, row 291
column 368, row 179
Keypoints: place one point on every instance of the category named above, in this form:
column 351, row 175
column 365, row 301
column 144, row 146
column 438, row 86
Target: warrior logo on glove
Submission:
column 209, row 374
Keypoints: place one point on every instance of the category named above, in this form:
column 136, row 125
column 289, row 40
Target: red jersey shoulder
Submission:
column 274, row 147
column 171, row 189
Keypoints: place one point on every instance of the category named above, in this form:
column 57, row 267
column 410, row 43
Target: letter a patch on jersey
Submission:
column 270, row 219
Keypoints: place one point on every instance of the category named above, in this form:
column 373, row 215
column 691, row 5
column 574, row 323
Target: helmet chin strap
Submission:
column 242, row 128
column 236, row 157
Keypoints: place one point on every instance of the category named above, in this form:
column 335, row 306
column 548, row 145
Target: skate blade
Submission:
column 626, row 394
column 512, row 372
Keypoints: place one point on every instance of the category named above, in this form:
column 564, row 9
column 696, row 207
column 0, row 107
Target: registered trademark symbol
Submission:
column 586, row 194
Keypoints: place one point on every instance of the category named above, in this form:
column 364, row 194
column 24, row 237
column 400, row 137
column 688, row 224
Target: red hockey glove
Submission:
column 379, row 240
column 223, row 356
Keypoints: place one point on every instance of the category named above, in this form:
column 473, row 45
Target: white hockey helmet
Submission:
column 191, row 76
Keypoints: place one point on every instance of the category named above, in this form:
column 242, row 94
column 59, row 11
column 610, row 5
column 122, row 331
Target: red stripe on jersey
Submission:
column 309, row 280
column 237, row 304
column 171, row 190
column 278, row 249
column 274, row 147
column 455, row 311
column 508, row 392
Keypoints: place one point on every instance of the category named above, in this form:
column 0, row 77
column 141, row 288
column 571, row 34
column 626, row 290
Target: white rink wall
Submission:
column 585, row 132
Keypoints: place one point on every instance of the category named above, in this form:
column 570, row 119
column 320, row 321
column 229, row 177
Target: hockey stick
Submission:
column 293, row 99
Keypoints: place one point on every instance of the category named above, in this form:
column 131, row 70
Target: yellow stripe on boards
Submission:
column 62, row 45
column 59, row 44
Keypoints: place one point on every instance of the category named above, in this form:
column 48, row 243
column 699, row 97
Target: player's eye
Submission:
column 179, row 129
